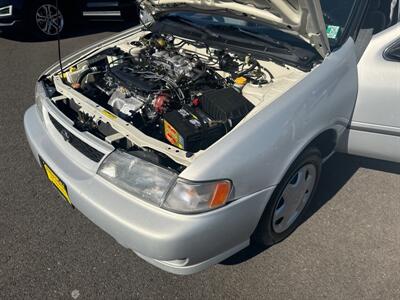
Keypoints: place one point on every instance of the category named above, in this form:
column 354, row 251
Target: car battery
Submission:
column 196, row 127
column 191, row 130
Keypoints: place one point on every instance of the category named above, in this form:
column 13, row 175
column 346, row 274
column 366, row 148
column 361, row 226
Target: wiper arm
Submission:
column 193, row 25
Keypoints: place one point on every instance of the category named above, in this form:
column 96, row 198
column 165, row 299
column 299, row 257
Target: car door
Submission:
column 375, row 127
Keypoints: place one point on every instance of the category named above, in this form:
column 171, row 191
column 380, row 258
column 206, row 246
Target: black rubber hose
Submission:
column 84, row 74
column 255, row 64
column 200, row 73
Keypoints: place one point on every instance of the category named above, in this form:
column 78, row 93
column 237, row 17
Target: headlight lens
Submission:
column 190, row 197
column 137, row 176
column 6, row 11
column 40, row 95
column 162, row 187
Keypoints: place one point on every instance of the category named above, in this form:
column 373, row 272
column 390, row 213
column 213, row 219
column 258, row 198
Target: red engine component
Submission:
column 160, row 103
column 196, row 101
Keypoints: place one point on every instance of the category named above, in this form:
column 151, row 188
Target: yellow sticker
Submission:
column 172, row 135
column 57, row 182
column 108, row 114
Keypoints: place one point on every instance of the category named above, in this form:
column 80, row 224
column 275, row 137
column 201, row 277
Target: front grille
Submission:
column 77, row 143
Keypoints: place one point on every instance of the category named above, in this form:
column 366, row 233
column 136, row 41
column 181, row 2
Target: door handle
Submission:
column 392, row 53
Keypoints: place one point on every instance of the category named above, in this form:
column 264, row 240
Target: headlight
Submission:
column 190, row 197
column 6, row 11
column 162, row 187
column 40, row 95
column 137, row 176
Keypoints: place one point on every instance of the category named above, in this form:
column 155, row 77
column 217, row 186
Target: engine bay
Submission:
column 179, row 92
column 184, row 98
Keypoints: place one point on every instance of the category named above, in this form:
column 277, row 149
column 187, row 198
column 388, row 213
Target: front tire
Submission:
column 290, row 199
column 46, row 20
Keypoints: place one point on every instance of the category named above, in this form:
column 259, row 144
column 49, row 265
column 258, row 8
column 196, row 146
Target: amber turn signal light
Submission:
column 220, row 195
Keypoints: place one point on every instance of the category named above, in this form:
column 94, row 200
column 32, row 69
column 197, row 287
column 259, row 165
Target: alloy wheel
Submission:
column 49, row 19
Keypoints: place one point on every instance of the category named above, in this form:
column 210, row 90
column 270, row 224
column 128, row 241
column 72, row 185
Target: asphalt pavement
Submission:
column 348, row 248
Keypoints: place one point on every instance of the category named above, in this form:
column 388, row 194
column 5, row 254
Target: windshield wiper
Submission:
column 193, row 25
column 227, row 30
column 265, row 39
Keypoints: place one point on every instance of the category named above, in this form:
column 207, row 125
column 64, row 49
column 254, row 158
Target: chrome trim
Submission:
column 386, row 54
column 110, row 13
column 102, row 4
column 374, row 128
column 8, row 24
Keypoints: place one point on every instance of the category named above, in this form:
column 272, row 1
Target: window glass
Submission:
column 336, row 15
column 218, row 21
column 381, row 15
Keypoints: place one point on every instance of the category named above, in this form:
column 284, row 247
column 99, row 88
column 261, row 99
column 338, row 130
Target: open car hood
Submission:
column 302, row 17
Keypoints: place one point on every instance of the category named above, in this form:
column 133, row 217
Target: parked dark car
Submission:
column 42, row 18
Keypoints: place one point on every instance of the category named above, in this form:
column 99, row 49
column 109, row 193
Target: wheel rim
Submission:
column 49, row 19
column 294, row 198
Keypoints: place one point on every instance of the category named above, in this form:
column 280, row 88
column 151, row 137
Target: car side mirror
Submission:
column 392, row 53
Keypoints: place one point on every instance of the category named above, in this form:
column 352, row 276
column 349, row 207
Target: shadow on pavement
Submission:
column 336, row 173
column 76, row 30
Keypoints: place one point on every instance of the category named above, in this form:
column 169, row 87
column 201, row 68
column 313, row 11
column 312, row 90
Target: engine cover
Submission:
column 135, row 81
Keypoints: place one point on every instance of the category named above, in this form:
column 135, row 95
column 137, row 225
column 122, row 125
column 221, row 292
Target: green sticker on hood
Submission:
column 332, row 31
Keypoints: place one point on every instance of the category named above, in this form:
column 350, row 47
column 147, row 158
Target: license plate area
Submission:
column 56, row 181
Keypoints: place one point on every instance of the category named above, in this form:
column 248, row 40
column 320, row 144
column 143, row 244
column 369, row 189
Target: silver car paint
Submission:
column 375, row 127
column 338, row 71
column 258, row 153
column 379, row 103
column 159, row 235
column 255, row 156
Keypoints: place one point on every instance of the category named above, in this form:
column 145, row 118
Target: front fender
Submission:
column 258, row 153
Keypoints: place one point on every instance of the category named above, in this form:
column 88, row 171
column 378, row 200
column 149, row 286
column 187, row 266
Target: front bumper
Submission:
column 180, row 244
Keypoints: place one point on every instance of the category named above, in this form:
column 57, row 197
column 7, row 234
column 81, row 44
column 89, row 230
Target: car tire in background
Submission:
column 290, row 200
column 45, row 18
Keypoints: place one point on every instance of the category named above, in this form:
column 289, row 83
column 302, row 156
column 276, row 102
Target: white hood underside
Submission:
column 303, row 17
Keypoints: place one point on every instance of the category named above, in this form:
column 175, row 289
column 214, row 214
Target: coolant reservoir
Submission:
column 74, row 73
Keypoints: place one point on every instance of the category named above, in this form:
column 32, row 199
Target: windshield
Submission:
column 222, row 23
column 336, row 15
column 249, row 36
column 257, row 36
